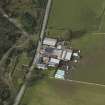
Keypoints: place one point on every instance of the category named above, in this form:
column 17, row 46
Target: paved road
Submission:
column 23, row 88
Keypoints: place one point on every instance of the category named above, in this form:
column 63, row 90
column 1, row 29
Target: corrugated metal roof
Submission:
column 49, row 41
column 68, row 55
column 53, row 60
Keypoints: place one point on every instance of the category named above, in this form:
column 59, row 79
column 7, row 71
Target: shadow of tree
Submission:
column 78, row 34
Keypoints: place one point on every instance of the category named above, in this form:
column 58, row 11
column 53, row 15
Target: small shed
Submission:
column 49, row 41
column 68, row 55
column 41, row 66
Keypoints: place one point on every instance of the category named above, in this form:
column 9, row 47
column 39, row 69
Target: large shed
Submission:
column 49, row 41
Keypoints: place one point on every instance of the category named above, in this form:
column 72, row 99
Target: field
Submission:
column 56, row 92
column 82, row 15
column 77, row 14
column 91, row 67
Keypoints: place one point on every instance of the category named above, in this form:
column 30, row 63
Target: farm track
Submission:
column 85, row 83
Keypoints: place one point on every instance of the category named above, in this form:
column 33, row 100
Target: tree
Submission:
column 8, row 35
column 4, row 92
column 36, row 74
column 67, row 35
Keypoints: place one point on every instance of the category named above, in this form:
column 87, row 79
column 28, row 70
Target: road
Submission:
column 23, row 87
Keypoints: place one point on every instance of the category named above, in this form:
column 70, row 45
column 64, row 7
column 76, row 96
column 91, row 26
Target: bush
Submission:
column 29, row 22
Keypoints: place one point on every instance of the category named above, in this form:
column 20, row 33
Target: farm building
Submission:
column 42, row 66
column 52, row 53
column 49, row 41
column 68, row 55
column 53, row 62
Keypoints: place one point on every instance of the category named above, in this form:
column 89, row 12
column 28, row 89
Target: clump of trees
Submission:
column 30, row 15
column 29, row 22
column 65, row 34
column 3, row 3
column 31, row 48
column 4, row 93
column 69, row 34
column 36, row 74
column 8, row 35
column 29, row 12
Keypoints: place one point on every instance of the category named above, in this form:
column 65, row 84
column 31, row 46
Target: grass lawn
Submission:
column 76, row 14
column 58, row 92
column 91, row 67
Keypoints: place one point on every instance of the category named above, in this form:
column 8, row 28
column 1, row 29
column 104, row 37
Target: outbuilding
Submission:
column 41, row 66
column 53, row 62
column 68, row 55
column 60, row 74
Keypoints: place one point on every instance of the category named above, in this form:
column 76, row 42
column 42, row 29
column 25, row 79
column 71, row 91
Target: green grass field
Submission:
column 91, row 67
column 57, row 92
column 76, row 14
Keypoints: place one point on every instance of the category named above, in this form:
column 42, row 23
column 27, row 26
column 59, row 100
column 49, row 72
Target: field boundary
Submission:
column 98, row 33
column 85, row 83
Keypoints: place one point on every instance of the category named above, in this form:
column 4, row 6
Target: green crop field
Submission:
column 57, row 92
column 77, row 14
column 91, row 67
